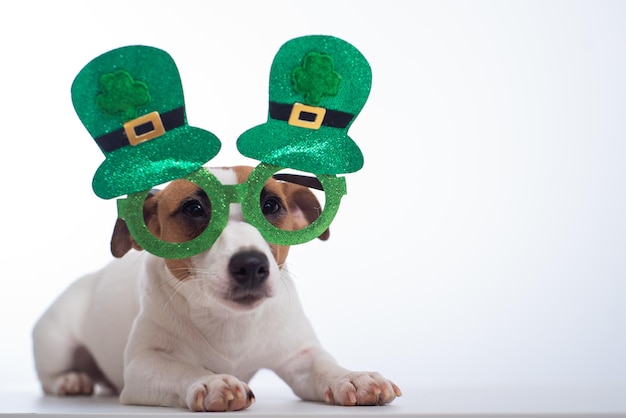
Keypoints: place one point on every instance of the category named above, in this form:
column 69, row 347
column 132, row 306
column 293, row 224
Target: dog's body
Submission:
column 190, row 333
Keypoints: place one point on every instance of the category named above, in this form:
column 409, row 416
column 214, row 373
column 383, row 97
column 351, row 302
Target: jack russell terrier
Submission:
column 191, row 332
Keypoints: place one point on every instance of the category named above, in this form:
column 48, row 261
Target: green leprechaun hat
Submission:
column 318, row 85
column 131, row 102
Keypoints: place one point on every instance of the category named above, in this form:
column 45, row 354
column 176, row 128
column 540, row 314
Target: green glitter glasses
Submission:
column 248, row 194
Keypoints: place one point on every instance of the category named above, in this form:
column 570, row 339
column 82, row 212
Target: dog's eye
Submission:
column 193, row 209
column 271, row 206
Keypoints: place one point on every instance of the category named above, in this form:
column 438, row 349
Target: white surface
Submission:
column 461, row 402
column 483, row 243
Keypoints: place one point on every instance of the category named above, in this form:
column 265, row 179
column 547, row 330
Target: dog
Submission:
column 192, row 332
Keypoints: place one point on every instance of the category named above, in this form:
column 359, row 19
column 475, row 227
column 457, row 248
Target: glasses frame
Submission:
column 248, row 194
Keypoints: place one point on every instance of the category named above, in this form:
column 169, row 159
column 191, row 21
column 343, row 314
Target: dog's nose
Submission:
column 249, row 268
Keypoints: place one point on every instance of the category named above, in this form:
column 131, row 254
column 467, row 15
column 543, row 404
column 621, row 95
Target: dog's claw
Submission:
column 250, row 399
column 196, row 405
column 328, row 397
column 352, row 398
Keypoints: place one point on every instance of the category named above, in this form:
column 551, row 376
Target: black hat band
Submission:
column 309, row 119
column 141, row 130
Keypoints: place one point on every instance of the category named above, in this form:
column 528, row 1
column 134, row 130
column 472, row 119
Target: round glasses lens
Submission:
column 290, row 207
column 180, row 220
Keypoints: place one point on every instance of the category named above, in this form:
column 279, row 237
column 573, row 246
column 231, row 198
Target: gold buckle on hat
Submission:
column 157, row 128
column 296, row 113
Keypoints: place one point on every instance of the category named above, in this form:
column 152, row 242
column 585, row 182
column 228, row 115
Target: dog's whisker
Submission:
column 160, row 287
column 283, row 280
column 197, row 298
column 175, row 291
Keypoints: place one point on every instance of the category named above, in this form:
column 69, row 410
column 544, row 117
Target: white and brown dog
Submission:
column 191, row 332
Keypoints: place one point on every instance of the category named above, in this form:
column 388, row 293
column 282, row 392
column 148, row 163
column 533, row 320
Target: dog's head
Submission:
column 241, row 268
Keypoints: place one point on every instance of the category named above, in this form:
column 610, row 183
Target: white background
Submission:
column 482, row 244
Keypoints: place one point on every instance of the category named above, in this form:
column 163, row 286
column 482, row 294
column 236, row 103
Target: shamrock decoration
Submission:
column 316, row 78
column 121, row 95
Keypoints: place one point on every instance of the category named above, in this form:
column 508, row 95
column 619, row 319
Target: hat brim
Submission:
column 133, row 169
column 322, row 151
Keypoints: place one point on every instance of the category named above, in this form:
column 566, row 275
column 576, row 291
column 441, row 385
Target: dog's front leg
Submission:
column 154, row 377
column 314, row 375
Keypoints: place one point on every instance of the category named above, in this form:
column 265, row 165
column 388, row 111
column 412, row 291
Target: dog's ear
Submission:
column 304, row 200
column 122, row 240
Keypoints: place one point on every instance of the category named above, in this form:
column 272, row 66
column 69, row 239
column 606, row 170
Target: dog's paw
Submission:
column 219, row 393
column 73, row 383
column 361, row 388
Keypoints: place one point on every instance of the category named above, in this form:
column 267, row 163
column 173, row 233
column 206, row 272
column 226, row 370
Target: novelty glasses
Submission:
column 220, row 196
